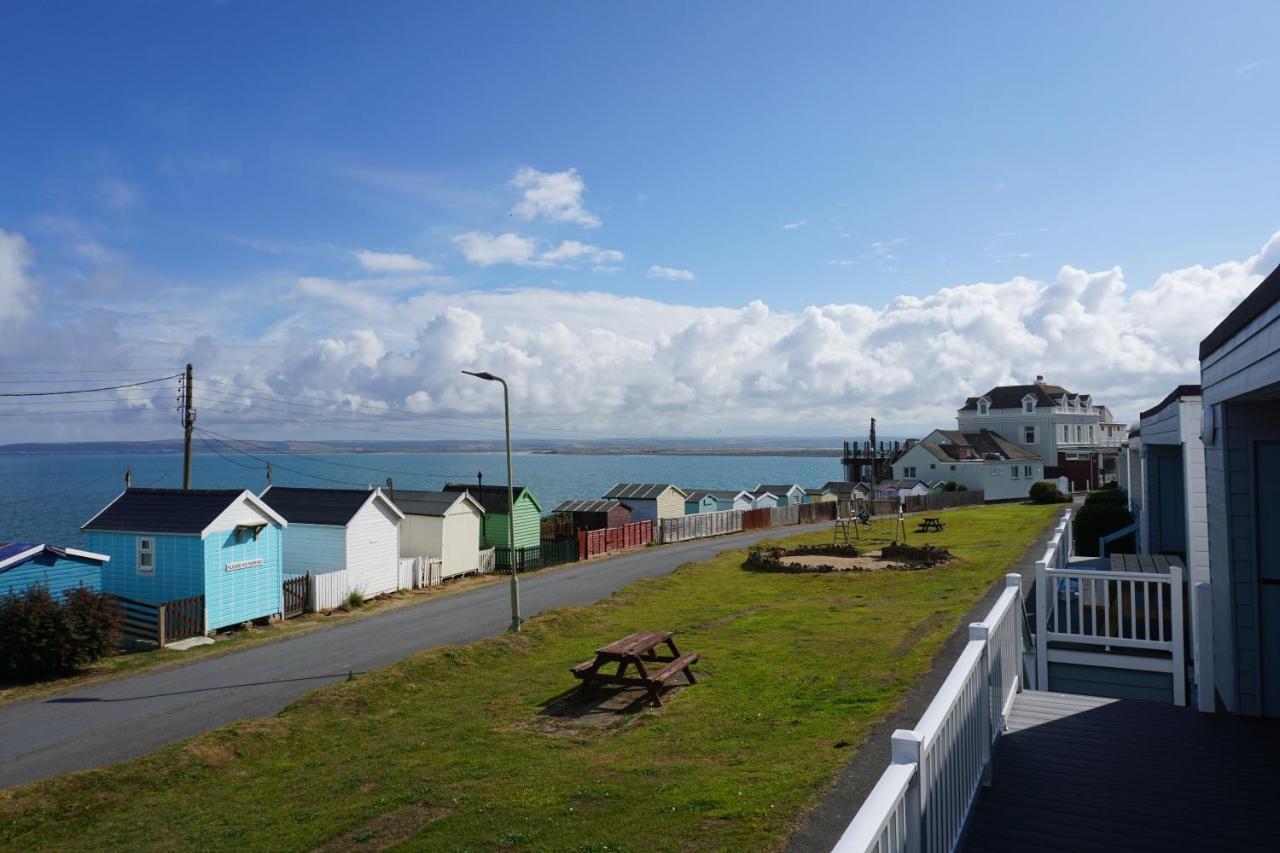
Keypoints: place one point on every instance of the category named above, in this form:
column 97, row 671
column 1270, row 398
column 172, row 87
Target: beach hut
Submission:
column 527, row 514
column 441, row 525
column 351, row 530
column 820, row 495
column 59, row 570
column 763, row 500
column 716, row 500
column 788, row 494
column 650, row 501
column 595, row 515
column 165, row 545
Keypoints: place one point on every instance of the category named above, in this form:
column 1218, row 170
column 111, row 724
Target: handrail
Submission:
column 922, row 800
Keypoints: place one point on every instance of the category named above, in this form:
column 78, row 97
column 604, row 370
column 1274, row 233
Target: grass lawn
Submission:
column 450, row 749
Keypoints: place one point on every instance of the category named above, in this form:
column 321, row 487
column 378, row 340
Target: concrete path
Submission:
column 122, row 719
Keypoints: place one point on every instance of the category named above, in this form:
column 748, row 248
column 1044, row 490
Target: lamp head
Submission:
column 484, row 374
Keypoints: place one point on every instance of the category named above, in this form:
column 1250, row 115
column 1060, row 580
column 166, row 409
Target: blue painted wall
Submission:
column 707, row 504
column 240, row 595
column 57, row 574
column 187, row 566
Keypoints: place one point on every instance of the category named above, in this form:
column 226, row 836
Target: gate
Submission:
column 295, row 595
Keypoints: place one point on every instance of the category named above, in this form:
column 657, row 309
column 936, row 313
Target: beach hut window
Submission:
column 146, row 555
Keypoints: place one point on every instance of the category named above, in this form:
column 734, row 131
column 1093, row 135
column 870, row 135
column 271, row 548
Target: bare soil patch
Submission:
column 387, row 829
column 576, row 712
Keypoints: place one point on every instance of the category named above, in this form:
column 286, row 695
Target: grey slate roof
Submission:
column 589, row 506
column 697, row 495
column 1176, row 394
column 971, row 446
column 777, row 488
column 638, row 491
column 315, row 506
column 492, row 498
column 424, row 503
column 1011, row 396
column 140, row 510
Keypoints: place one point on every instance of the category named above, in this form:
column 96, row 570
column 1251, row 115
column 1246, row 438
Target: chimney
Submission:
column 1039, row 379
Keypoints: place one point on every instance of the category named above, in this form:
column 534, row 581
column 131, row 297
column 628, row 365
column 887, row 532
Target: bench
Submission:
column 681, row 663
column 635, row 651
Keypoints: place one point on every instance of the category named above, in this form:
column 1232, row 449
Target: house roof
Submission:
column 842, row 486
column 1176, row 394
column 1262, row 298
column 138, row 510
column 761, row 493
column 697, row 495
column 413, row 502
column 975, row 446
column 641, row 491
column 778, row 488
column 903, row 483
column 589, row 506
column 333, row 507
column 821, row 491
column 16, row 553
column 1011, row 396
column 492, row 498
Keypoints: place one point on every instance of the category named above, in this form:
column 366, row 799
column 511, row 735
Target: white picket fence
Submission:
column 488, row 561
column 936, row 770
column 409, row 571
column 328, row 590
column 685, row 527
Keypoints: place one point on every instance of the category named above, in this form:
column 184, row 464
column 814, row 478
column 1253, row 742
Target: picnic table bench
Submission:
column 931, row 524
column 636, row 650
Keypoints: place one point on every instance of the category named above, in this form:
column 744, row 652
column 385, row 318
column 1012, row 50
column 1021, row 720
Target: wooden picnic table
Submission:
column 636, row 650
column 930, row 524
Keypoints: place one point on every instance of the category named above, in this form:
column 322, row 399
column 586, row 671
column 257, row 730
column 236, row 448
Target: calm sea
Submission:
column 47, row 498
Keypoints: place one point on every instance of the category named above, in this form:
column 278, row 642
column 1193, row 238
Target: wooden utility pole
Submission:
column 188, row 424
column 874, row 458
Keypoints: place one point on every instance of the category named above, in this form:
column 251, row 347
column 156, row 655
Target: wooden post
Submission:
column 1179, row 637
column 978, row 631
column 1042, row 621
column 160, row 615
column 188, row 424
column 906, row 746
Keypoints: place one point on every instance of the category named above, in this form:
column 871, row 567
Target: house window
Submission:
column 1077, row 433
column 1026, row 471
column 953, row 467
column 909, row 471
column 1091, row 433
column 984, row 408
column 932, row 466
column 146, row 555
column 1029, row 407
column 1013, row 471
column 1029, row 435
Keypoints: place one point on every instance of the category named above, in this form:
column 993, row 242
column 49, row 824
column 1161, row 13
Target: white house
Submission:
column 650, row 501
column 351, row 530
column 441, row 525
column 788, row 494
column 902, row 488
column 980, row 461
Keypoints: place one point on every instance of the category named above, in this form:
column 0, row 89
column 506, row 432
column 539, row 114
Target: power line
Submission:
column 207, row 444
column 285, row 468
column 87, row 390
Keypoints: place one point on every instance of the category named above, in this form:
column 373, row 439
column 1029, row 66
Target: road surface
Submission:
column 122, row 719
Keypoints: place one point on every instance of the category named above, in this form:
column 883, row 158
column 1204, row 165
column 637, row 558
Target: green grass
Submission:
column 448, row 749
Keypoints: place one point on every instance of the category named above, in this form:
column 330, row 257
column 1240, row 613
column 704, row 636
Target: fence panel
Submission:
column 701, row 525
column 139, row 620
column 784, row 516
column 183, row 617
column 558, row 551
column 523, row 559
column 296, row 596
column 593, row 543
column 487, row 562
column 757, row 519
column 328, row 590
column 408, row 573
column 810, row 513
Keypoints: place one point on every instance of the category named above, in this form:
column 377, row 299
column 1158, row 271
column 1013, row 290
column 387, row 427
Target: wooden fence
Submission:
column 811, row 513
column 296, row 595
column 328, row 590
column 608, row 540
column 408, row 575
column 700, row 525
column 757, row 519
column 161, row 623
column 784, row 516
column 488, row 561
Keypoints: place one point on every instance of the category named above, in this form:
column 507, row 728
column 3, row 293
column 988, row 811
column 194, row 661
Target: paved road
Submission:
column 122, row 719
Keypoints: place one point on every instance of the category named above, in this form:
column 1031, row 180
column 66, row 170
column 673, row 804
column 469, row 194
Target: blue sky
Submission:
column 162, row 162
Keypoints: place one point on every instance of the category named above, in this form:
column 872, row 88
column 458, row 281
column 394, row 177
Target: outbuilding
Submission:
column 788, row 494
column 763, row 500
column 441, row 525
column 59, row 570
column 527, row 515
column 820, row 495
column 650, row 501
column 594, row 515
column 351, row 530
column 716, row 500
column 165, row 545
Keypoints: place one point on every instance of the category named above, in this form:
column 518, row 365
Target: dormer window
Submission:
column 1029, row 405
column 984, row 407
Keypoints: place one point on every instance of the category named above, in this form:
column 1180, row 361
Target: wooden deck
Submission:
column 1077, row 773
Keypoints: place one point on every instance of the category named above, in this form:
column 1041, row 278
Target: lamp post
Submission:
column 511, row 504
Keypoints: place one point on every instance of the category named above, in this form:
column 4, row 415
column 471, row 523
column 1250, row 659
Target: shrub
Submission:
column 40, row 636
column 1046, row 492
column 355, row 600
column 1097, row 519
column 1107, row 497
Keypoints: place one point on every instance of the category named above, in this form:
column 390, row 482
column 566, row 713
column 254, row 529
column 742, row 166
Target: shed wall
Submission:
column 56, row 574
column 236, row 595
column 179, row 566
column 373, row 549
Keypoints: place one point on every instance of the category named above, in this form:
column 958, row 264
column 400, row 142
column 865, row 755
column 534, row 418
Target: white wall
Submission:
column 454, row 538
column 373, row 549
column 240, row 512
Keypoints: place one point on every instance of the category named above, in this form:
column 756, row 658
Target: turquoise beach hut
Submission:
column 59, row 570
column 170, row 544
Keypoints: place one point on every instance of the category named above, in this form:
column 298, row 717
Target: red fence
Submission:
column 593, row 543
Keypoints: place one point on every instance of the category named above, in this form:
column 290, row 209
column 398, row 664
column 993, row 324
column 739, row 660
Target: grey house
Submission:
column 1240, row 381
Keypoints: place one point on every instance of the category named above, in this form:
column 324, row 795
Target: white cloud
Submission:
column 791, row 226
column 1249, row 67
column 390, row 262
column 672, row 273
column 116, row 194
column 17, row 290
column 841, row 262
column 556, row 196
column 484, row 249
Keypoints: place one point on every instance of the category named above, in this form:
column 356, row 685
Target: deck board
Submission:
column 1085, row 773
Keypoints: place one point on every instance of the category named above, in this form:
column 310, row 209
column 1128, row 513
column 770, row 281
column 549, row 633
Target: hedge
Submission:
column 40, row 636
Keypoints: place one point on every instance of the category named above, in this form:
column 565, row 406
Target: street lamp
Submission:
column 511, row 503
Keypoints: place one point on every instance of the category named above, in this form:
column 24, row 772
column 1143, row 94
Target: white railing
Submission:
column 328, row 590
column 408, row 573
column 1056, row 556
column 488, row 561
column 923, row 799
